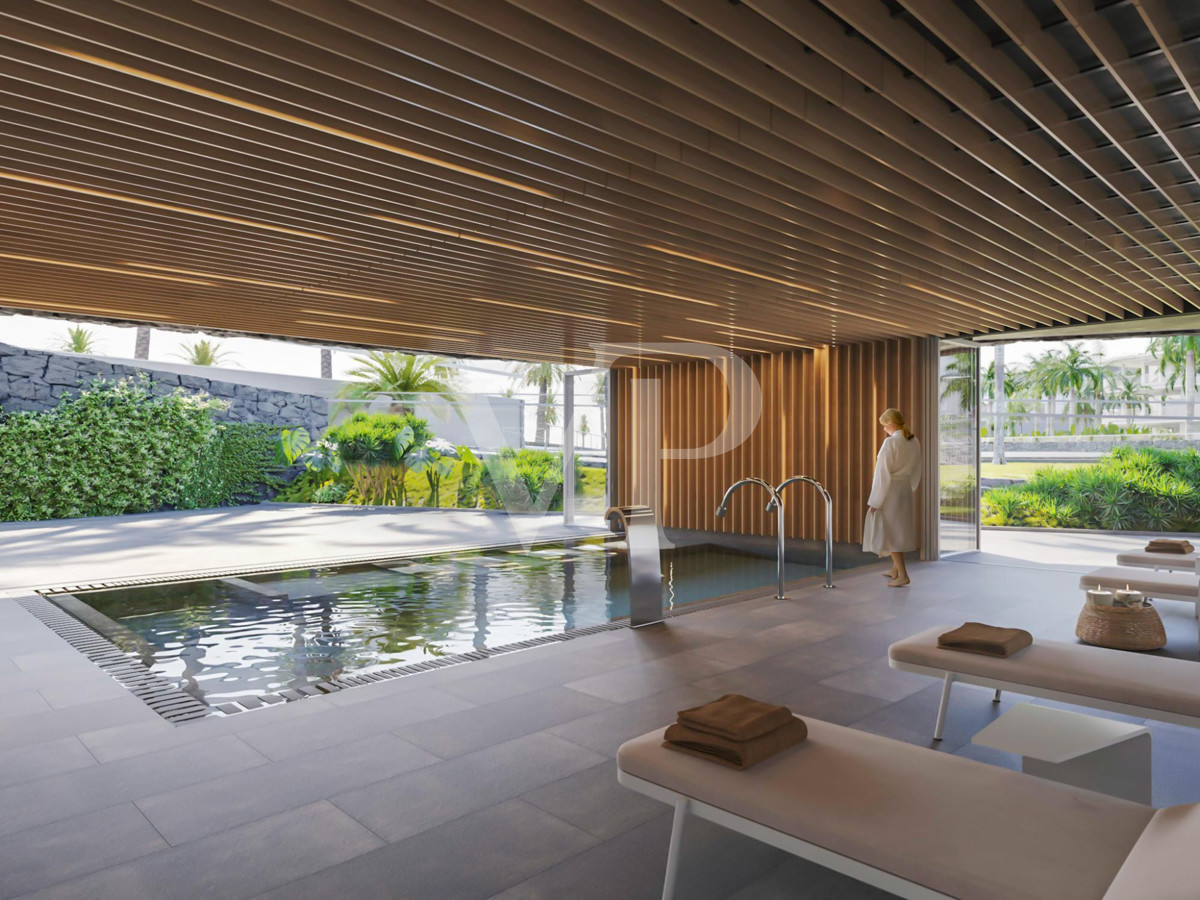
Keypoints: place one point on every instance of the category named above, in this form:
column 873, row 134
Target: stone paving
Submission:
column 493, row 779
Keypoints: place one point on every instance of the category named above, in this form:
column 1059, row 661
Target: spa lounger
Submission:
column 1149, row 687
column 1170, row 562
column 922, row 824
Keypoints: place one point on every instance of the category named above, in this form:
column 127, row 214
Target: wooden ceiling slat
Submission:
column 537, row 177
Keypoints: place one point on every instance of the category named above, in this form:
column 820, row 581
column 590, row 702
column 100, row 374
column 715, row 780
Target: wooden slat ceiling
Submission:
column 532, row 178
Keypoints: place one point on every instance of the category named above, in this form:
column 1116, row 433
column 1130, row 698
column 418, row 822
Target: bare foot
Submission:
column 898, row 582
column 890, row 575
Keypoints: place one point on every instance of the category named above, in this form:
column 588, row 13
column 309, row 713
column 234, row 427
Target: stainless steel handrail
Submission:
column 828, row 520
column 775, row 502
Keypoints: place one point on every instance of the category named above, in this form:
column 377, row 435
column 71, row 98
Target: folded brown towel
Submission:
column 975, row 637
column 735, row 754
column 1170, row 545
column 735, row 718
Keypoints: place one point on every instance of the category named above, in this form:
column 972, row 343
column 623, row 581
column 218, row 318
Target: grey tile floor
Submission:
column 488, row 780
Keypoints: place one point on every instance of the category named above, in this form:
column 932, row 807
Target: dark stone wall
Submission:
column 35, row 379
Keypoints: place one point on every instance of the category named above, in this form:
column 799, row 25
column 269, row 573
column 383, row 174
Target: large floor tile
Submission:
column 594, row 801
column 479, row 727
column 33, row 761
column 74, row 847
column 498, row 846
column 238, row 863
column 216, row 804
column 409, row 804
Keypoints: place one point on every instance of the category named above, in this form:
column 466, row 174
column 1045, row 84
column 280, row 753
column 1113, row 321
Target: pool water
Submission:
column 228, row 639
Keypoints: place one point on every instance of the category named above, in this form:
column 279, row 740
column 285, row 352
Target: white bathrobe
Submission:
column 893, row 529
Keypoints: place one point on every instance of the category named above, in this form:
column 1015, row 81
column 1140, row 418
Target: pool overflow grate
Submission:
column 160, row 695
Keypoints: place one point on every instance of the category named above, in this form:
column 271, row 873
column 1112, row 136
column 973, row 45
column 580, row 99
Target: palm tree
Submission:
column 1177, row 354
column 584, row 429
column 326, row 362
column 1128, row 390
column 79, row 340
column 1057, row 372
column 402, row 376
column 995, row 386
column 600, row 393
column 203, row 352
column 141, row 344
column 542, row 376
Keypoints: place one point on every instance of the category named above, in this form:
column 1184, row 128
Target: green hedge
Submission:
column 117, row 448
column 1128, row 490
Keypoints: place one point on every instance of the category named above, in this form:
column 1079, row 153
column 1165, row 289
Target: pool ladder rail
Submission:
column 776, row 504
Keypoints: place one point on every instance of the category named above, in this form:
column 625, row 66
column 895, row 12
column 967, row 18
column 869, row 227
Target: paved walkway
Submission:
column 83, row 551
column 493, row 779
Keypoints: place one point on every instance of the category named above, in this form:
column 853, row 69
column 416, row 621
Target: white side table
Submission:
column 1085, row 751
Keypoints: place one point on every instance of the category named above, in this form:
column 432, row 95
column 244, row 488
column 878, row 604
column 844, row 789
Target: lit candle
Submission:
column 1128, row 597
column 1098, row 596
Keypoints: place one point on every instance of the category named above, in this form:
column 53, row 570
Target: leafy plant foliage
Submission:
column 118, row 448
column 1128, row 490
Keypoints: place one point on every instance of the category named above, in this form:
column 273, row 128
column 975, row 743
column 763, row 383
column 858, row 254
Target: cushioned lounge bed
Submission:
column 1170, row 562
column 923, row 824
column 1150, row 687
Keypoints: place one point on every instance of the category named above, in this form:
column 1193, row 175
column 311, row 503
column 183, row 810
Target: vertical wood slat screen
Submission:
column 819, row 418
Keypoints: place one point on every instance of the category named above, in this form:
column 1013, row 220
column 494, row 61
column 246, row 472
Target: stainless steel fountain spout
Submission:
column 774, row 503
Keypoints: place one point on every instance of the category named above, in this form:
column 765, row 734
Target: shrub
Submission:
column 1130, row 489
column 117, row 448
column 517, row 479
column 377, row 450
column 331, row 492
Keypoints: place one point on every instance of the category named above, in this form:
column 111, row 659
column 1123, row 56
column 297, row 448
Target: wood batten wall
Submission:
column 819, row 411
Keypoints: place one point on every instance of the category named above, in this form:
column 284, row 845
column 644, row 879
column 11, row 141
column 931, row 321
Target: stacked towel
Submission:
column 975, row 637
column 735, row 731
column 1170, row 545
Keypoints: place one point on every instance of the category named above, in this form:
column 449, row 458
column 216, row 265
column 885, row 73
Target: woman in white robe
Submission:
column 891, row 526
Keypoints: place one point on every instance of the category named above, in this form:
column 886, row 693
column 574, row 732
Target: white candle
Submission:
column 1098, row 596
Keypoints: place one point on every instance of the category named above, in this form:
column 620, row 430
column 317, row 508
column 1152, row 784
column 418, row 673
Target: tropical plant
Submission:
column 436, row 460
column 470, row 479
column 1176, row 357
column 375, row 449
column 1143, row 489
column 584, row 429
column 958, row 380
column 518, row 480
column 79, row 340
column 403, row 377
column 542, row 376
column 203, row 352
column 1128, row 390
column 1069, row 372
column 331, row 492
column 296, row 446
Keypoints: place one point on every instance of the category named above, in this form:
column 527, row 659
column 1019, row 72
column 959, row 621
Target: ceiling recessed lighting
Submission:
column 732, row 268
column 295, row 120
column 554, row 312
column 154, row 204
column 95, row 268
column 381, row 330
column 492, row 242
column 628, row 287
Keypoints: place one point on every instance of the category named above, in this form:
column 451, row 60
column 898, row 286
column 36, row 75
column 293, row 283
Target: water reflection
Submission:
column 221, row 640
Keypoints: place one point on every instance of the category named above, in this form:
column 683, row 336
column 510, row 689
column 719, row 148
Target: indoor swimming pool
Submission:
column 227, row 639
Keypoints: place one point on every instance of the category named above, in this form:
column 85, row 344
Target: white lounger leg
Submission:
column 941, row 719
column 673, row 854
column 996, row 698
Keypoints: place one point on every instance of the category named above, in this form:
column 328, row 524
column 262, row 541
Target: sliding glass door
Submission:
column 958, row 447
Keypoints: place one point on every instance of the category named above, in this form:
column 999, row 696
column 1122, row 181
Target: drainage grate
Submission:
column 161, row 696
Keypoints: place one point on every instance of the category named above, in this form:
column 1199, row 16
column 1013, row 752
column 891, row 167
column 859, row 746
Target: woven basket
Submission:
column 1121, row 628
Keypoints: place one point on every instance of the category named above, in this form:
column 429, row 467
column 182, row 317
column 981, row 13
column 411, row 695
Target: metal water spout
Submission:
column 775, row 504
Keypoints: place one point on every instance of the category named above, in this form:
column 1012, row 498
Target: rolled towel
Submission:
column 735, row 754
column 1170, row 545
column 735, row 718
column 975, row 637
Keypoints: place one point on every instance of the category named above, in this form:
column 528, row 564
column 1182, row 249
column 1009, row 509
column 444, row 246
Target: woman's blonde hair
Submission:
column 894, row 417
